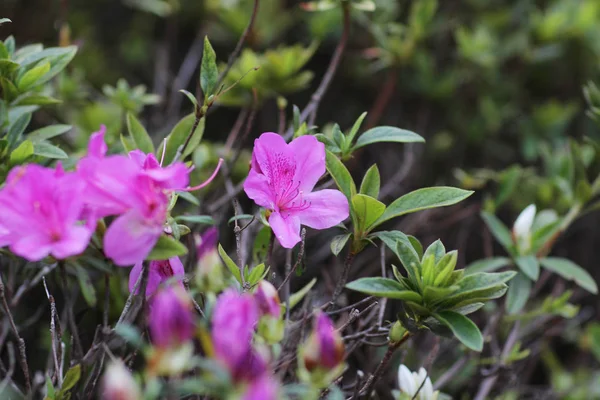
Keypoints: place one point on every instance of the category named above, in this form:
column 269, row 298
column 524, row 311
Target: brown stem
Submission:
column 342, row 282
column 238, row 242
column 298, row 260
column 383, row 98
column 22, row 353
column 313, row 105
column 368, row 387
column 70, row 316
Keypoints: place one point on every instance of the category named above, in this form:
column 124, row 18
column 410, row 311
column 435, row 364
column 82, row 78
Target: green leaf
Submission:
column 399, row 243
column 190, row 198
column 571, row 271
column 498, row 229
column 387, row 134
column 340, row 175
column 196, row 219
column 487, row 265
column 463, row 328
column 529, row 265
column 231, row 265
column 45, row 149
column 209, row 74
column 416, row 245
column 47, row 132
column 299, row 295
column 139, row 134
column 384, row 287
column 260, row 247
column 87, row 287
column 165, row 248
column 190, row 96
column 338, row 243
column 445, row 267
column 354, row 130
column 195, row 139
column 17, row 128
column 21, row 153
column 31, row 77
column 71, row 378
column 366, row 211
column 436, row 249
column 178, row 136
column 239, row 217
column 518, row 293
column 423, row 199
column 371, row 182
column 35, row 99
column 256, row 274
column 478, row 286
column 127, row 143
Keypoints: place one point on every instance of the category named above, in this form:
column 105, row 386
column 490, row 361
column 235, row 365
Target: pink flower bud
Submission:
column 118, row 384
column 267, row 299
column 265, row 388
column 171, row 317
column 324, row 348
column 233, row 322
column 209, row 271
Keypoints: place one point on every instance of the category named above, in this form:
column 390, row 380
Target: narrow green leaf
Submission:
column 178, row 136
column 355, row 128
column 47, row 132
column 416, row 245
column 239, row 217
column 371, row 182
column 139, row 134
column 31, row 77
column 338, row 243
column 165, row 248
column 499, row 230
column 437, row 250
column 518, row 293
column 190, row 198
column 190, row 96
column 383, row 287
column 423, row 199
column 299, row 295
column 231, row 265
column 17, row 128
column 21, row 153
column 208, row 70
column 87, row 287
column 387, row 134
column 255, row 275
column 127, row 143
column 463, row 328
column 571, row 271
column 366, row 211
column 71, row 378
column 196, row 219
column 340, row 175
column 487, row 265
column 45, row 149
column 529, row 265
column 35, row 99
column 195, row 139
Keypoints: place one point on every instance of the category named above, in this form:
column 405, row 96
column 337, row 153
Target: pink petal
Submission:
column 175, row 176
column 327, row 208
column 286, row 229
column 96, row 146
column 130, row 238
column 310, row 161
column 257, row 188
column 74, row 243
column 138, row 156
column 276, row 160
column 31, row 247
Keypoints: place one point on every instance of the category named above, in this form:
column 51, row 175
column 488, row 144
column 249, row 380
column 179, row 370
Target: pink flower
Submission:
column 42, row 213
column 267, row 299
column 158, row 273
column 171, row 317
column 325, row 347
column 282, row 178
column 233, row 321
column 264, row 388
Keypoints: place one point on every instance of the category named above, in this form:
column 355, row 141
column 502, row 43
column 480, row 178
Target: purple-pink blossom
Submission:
column 234, row 319
column 281, row 179
column 159, row 272
column 264, row 388
column 267, row 299
column 325, row 347
column 43, row 213
column 171, row 318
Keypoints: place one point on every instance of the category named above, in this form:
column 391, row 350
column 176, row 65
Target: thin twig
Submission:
column 298, row 260
column 342, row 282
column 368, row 387
column 239, row 45
column 21, row 342
column 55, row 339
column 384, row 300
column 27, row 285
column 313, row 105
column 69, row 308
column 132, row 294
column 238, row 242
